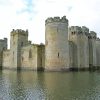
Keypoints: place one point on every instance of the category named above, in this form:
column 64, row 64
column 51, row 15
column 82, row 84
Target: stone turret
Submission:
column 19, row 38
column 77, row 35
column 57, row 45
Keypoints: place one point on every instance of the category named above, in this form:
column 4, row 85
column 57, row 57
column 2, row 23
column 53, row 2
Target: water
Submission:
column 28, row 85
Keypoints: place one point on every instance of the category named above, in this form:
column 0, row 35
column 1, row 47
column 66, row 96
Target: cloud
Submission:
column 31, row 15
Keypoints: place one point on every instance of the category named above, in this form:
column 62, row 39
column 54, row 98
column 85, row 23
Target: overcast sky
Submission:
column 31, row 15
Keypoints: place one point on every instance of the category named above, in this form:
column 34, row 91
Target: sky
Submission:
column 31, row 15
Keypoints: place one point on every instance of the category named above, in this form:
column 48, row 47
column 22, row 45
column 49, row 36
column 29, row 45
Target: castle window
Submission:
column 22, row 58
column 30, row 53
column 21, row 43
column 13, row 55
column 58, row 54
column 73, row 33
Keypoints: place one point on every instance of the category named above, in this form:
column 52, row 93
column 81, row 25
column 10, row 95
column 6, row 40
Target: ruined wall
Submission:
column 32, row 57
column 98, row 52
column 57, row 45
column 6, row 62
column 80, row 47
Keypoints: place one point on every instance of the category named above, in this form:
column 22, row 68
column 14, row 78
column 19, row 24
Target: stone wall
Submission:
column 3, row 46
column 92, row 49
column 40, row 57
column 29, row 57
column 6, row 63
column 80, row 47
column 98, row 52
column 71, row 53
column 63, row 50
column 32, row 57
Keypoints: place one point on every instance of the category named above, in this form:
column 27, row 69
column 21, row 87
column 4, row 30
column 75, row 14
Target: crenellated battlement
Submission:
column 56, row 19
column 85, row 29
column 97, row 39
column 19, row 31
column 3, row 40
column 76, row 29
column 79, row 30
column 93, row 34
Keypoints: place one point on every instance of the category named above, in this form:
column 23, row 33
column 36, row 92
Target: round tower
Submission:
column 56, row 44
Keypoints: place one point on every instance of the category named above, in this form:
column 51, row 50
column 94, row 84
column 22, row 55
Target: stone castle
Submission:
column 66, row 48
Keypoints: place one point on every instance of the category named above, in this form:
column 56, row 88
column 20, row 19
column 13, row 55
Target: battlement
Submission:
column 19, row 31
column 97, row 39
column 85, row 29
column 56, row 19
column 76, row 29
column 79, row 30
column 3, row 40
column 93, row 34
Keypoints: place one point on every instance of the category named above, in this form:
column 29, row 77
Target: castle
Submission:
column 66, row 48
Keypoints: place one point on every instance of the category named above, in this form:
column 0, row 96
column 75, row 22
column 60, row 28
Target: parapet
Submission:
column 75, row 29
column 3, row 40
column 97, row 39
column 93, row 34
column 85, row 29
column 56, row 19
column 19, row 31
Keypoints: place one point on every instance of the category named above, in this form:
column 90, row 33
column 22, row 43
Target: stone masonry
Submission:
column 66, row 48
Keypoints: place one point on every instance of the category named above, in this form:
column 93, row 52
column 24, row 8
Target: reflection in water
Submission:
column 49, row 85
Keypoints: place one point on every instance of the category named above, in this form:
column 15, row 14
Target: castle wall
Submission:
column 98, row 52
column 32, row 57
column 92, row 49
column 40, row 57
column 3, row 46
column 57, row 45
column 73, row 39
column 71, row 53
column 29, row 57
column 64, row 49
column 6, row 62
column 80, row 47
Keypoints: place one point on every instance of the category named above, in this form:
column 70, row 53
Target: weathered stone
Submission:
column 65, row 49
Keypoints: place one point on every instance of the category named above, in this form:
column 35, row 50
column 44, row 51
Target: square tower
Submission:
column 19, row 38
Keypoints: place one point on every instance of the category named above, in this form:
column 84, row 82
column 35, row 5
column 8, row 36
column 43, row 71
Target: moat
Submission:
column 29, row 85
